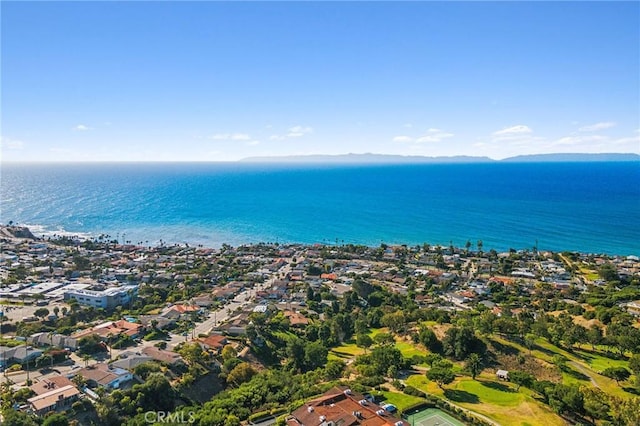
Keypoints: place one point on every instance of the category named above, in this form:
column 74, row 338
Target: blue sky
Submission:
column 181, row 81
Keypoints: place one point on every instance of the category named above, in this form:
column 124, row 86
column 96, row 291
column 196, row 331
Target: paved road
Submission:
column 215, row 318
column 240, row 301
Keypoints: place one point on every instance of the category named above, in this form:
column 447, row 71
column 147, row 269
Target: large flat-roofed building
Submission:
column 107, row 299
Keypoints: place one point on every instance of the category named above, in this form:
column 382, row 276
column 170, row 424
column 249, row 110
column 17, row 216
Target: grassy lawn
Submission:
column 599, row 362
column 496, row 400
column 408, row 349
column 375, row 331
column 346, row 351
column 349, row 349
column 400, row 400
column 591, row 362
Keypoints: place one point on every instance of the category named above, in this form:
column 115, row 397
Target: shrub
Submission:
column 410, row 390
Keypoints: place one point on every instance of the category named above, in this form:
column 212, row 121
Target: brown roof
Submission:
column 215, row 341
column 99, row 373
column 344, row 408
column 184, row 308
column 47, row 385
column 296, row 318
column 113, row 328
column 52, row 397
column 162, row 355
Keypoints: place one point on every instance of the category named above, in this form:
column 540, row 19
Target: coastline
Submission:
column 587, row 208
column 41, row 233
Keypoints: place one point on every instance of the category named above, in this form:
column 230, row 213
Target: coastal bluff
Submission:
column 16, row 232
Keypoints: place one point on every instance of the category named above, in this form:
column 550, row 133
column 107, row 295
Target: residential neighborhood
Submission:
column 82, row 318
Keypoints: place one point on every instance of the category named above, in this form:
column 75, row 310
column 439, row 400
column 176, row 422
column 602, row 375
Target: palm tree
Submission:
column 474, row 365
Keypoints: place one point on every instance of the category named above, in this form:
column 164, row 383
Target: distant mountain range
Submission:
column 416, row 159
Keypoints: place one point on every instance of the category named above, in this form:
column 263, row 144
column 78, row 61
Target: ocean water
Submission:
column 586, row 207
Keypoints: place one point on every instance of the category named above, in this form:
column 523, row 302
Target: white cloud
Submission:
column 230, row 137
column 11, row 144
column 403, row 139
column 631, row 140
column 597, row 126
column 81, row 128
column 292, row 132
column 577, row 140
column 297, row 131
column 408, row 125
column 253, row 143
column 434, row 135
column 519, row 129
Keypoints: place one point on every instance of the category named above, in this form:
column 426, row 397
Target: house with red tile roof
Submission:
column 113, row 328
column 296, row 319
column 214, row 343
column 341, row 406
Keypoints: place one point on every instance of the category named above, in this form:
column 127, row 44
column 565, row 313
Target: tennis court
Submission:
column 432, row 417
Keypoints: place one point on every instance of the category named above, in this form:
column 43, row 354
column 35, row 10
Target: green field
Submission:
column 400, row 400
column 349, row 349
column 496, row 400
column 408, row 349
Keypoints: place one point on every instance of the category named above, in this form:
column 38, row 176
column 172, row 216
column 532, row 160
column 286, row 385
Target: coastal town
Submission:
column 104, row 331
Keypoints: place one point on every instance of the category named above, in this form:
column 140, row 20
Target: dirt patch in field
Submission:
column 440, row 330
column 540, row 369
column 580, row 320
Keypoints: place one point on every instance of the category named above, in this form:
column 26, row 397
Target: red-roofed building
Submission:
column 330, row 276
column 296, row 319
column 340, row 406
column 113, row 328
column 215, row 342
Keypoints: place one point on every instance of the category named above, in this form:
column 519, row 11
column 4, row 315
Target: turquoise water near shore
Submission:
column 587, row 207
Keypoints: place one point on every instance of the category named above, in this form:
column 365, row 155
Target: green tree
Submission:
column 608, row 272
column 625, row 411
column 520, row 378
column 41, row 312
column 315, row 355
column 364, row 341
column 594, row 336
column 295, row 353
column 560, row 361
column 619, row 374
column 228, row 352
column 474, row 365
column 459, row 343
column 145, row 369
column 428, row 338
column 441, row 373
column 596, row 403
column 384, row 339
column 57, row 419
column 395, row 321
column 241, row 373
column 192, row 353
column 17, row 418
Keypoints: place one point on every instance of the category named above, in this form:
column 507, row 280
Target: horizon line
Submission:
column 291, row 158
